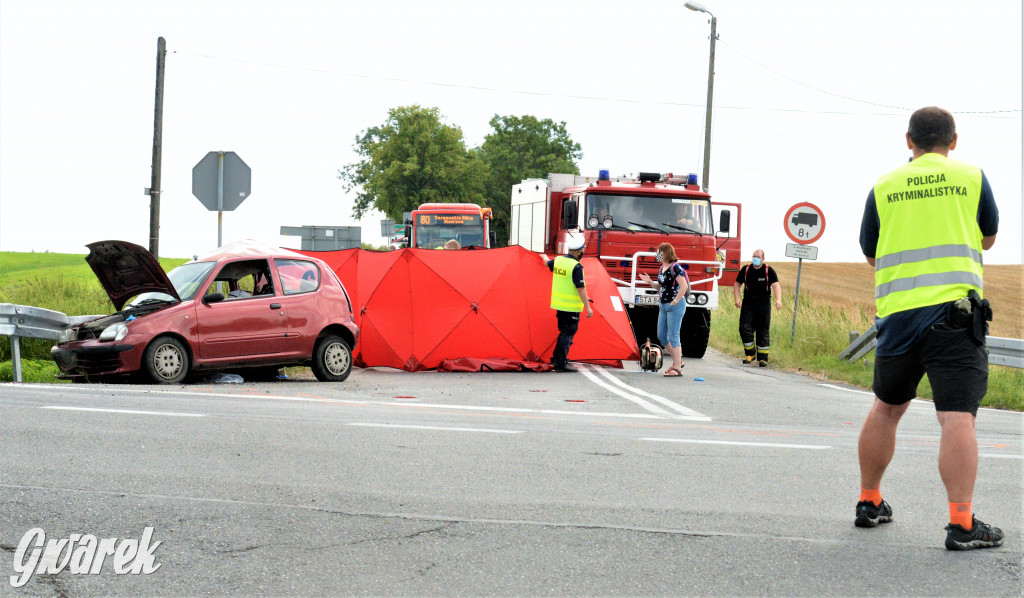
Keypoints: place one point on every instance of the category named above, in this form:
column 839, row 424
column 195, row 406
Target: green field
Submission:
column 64, row 282
column 822, row 332
column 60, row 281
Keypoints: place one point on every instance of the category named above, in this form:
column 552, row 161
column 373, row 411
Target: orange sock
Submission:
column 960, row 514
column 873, row 495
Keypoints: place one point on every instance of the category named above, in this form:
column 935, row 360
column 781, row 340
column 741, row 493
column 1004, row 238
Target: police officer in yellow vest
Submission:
column 924, row 229
column 568, row 298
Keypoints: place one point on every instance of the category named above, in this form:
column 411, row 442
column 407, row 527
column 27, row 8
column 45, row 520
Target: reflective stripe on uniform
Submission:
column 928, row 280
column 927, row 253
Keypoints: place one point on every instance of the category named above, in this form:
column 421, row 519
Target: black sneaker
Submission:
column 868, row 515
column 763, row 363
column 981, row 535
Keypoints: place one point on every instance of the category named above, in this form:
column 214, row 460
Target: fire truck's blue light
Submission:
column 603, row 175
column 691, row 179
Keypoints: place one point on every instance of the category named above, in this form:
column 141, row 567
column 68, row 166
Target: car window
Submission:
column 242, row 280
column 297, row 276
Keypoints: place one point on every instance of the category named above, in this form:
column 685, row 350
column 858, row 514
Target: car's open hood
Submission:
column 126, row 270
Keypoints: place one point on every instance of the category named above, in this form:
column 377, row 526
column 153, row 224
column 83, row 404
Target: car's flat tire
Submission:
column 332, row 359
column 166, row 360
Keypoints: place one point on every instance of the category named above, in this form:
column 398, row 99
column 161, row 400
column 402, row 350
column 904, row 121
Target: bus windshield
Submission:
column 434, row 236
column 649, row 213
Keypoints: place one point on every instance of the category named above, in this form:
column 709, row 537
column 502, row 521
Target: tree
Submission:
column 522, row 147
column 412, row 159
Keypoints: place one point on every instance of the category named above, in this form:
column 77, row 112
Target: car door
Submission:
column 300, row 284
column 249, row 320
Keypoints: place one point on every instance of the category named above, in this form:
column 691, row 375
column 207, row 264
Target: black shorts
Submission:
column 957, row 370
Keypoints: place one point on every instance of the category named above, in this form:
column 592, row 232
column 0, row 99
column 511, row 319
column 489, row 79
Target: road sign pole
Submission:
column 796, row 299
column 220, row 196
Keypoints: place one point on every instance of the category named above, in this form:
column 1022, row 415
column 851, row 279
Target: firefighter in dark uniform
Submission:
column 568, row 298
column 759, row 281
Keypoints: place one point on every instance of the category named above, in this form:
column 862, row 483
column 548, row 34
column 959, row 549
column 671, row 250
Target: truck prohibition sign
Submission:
column 804, row 223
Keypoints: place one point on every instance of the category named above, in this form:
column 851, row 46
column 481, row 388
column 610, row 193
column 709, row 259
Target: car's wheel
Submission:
column 166, row 361
column 332, row 359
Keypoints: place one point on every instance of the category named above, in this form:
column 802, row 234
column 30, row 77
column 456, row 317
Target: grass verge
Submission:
column 822, row 332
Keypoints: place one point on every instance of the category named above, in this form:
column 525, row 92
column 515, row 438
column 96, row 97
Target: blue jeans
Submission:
column 670, row 319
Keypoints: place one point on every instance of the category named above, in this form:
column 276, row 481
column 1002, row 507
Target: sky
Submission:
column 811, row 102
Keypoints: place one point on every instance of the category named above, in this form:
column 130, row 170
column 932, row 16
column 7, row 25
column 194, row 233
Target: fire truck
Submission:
column 624, row 219
column 432, row 224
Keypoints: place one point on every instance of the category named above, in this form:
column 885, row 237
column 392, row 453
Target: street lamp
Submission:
column 711, row 86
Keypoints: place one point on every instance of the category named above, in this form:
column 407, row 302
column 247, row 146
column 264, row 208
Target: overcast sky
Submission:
column 811, row 103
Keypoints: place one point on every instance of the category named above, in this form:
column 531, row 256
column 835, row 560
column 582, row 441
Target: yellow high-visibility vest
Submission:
column 929, row 241
column 564, row 296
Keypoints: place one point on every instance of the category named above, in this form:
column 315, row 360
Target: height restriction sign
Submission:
column 804, row 223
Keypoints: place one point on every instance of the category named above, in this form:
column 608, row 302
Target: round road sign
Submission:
column 804, row 223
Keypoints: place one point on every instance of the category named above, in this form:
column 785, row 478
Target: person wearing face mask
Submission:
column 674, row 284
column 759, row 281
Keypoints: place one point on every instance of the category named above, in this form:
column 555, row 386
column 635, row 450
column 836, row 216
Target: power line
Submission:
column 852, row 99
column 586, row 97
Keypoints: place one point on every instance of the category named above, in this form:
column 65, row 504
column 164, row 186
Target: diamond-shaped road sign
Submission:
column 237, row 180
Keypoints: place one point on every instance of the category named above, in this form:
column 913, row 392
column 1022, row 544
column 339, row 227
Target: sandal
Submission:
column 672, row 372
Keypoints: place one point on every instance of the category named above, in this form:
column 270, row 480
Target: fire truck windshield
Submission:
column 435, row 235
column 674, row 215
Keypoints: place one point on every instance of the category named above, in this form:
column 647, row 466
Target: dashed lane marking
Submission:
column 126, row 411
column 736, row 443
column 434, row 428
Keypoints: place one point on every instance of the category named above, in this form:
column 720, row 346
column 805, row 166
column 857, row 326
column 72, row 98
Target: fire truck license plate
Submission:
column 646, row 299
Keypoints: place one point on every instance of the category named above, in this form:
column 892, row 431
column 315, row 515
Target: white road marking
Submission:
column 734, row 443
column 184, row 393
column 991, row 456
column 128, row 411
column 632, row 397
column 437, row 428
column 919, row 401
column 861, row 392
column 689, row 413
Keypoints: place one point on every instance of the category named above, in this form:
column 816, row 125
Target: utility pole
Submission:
column 707, row 116
column 696, row 6
column 158, row 123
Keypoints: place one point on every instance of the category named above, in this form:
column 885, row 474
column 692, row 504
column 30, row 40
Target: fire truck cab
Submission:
column 624, row 220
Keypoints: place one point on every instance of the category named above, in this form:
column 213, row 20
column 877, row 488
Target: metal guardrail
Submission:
column 1005, row 351
column 1008, row 352
column 23, row 321
column 861, row 346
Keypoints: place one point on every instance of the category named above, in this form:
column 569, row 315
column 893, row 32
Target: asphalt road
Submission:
column 603, row 482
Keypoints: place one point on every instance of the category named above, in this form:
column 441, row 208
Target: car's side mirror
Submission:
column 213, row 298
column 723, row 221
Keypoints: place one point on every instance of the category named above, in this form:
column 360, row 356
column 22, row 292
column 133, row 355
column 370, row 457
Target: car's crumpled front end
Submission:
column 94, row 348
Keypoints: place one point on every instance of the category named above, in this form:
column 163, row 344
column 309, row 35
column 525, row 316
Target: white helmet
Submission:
column 575, row 242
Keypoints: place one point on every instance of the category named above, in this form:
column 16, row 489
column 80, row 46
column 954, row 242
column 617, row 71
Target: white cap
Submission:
column 575, row 242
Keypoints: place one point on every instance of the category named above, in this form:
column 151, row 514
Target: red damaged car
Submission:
column 248, row 308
